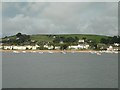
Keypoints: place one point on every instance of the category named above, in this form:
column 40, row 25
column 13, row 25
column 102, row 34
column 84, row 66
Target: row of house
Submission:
column 19, row 47
column 79, row 46
column 82, row 46
column 111, row 48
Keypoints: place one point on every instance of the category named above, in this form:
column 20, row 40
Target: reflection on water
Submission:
column 57, row 70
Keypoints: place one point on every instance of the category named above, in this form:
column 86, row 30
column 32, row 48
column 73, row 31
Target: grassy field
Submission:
column 41, row 38
column 80, row 36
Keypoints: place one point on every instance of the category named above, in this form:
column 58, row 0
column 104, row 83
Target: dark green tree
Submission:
column 64, row 46
column 18, row 35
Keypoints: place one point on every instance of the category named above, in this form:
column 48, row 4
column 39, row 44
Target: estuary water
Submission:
column 58, row 70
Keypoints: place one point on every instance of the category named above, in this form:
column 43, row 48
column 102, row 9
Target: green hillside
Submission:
column 80, row 36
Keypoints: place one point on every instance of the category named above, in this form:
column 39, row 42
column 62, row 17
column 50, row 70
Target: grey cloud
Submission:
column 55, row 18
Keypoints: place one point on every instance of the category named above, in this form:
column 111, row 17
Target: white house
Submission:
column 19, row 47
column 80, row 46
column 45, row 46
column 57, row 47
column 7, row 47
column 116, row 44
column 49, row 47
column 29, row 47
column 110, row 48
column 115, row 48
column 73, row 47
column 35, row 47
column 61, row 42
column 81, row 41
column 86, row 46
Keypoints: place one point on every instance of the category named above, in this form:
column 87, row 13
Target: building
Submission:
column 19, row 47
column 110, row 48
column 81, row 41
column 102, row 46
column 116, row 48
column 61, row 42
column 80, row 46
column 73, row 47
column 28, row 47
column 7, row 47
column 48, row 47
column 57, row 47
column 116, row 44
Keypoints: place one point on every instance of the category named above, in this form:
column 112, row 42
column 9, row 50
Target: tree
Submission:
column 93, row 44
column 18, row 34
column 5, row 37
column 118, row 39
column 23, row 39
column 64, row 46
column 114, row 39
column 105, row 41
column 84, row 38
column 70, row 40
column 76, row 39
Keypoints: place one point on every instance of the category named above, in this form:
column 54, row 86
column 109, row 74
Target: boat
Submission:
column 33, row 51
column 116, row 52
column 50, row 52
column 24, row 51
column 63, row 52
column 40, row 52
column 15, row 52
column 98, row 53
column 73, row 52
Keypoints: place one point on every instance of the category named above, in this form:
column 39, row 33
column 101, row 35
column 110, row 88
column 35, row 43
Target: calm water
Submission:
column 78, row 70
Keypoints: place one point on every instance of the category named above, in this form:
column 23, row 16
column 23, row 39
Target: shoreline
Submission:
column 48, row 50
column 59, row 51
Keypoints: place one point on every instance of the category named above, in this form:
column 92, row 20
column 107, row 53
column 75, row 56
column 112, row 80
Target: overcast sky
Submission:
column 60, row 18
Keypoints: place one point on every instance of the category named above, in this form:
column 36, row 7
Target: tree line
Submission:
column 110, row 40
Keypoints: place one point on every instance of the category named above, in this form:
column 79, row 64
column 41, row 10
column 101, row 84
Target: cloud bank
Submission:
column 60, row 18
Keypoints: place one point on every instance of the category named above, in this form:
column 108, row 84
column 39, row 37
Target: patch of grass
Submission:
column 41, row 38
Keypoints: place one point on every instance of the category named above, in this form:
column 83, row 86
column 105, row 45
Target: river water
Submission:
column 58, row 70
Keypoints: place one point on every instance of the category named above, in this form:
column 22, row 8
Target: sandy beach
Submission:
column 55, row 51
column 60, row 51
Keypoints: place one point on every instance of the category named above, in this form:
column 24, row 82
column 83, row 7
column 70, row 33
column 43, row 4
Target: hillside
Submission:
column 80, row 36
column 46, row 38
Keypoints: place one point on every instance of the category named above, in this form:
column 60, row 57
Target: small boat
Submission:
column 24, row 51
column 15, row 52
column 116, row 52
column 63, row 52
column 50, row 52
column 92, row 52
column 40, row 52
column 73, row 52
column 98, row 53
column 33, row 51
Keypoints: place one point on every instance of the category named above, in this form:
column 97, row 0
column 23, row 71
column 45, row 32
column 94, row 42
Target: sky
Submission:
column 99, row 18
